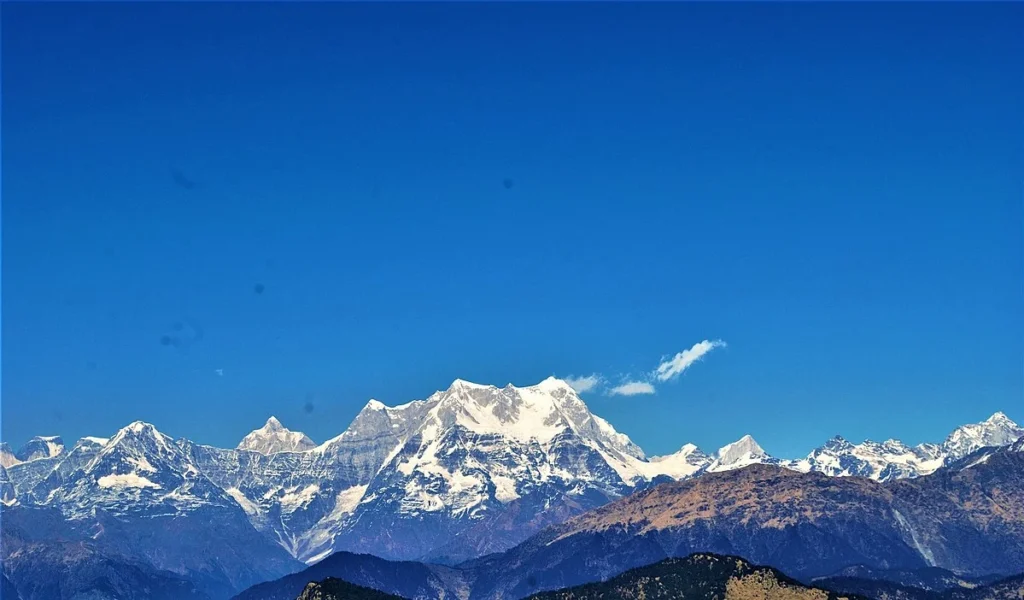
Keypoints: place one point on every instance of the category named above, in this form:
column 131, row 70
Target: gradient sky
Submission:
column 504, row 192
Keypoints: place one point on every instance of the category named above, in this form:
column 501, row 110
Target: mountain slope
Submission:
column 7, row 589
column 969, row 520
column 931, row 579
column 696, row 577
column 1011, row 588
column 41, row 568
column 469, row 471
column 138, row 496
column 402, row 578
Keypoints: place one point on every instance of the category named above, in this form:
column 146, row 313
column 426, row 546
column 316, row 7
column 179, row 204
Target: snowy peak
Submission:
column 542, row 412
column 745, row 446
column 837, row 444
column 7, row 457
column 40, row 447
column 273, row 437
column 741, row 453
column 997, row 430
column 553, row 384
column 686, row 462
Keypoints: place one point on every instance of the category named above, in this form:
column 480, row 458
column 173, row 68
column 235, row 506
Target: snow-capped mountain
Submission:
column 41, row 446
column 741, row 453
column 469, row 470
column 997, row 430
column 138, row 495
column 7, row 457
column 883, row 461
column 893, row 459
column 479, row 454
column 687, row 462
column 274, row 437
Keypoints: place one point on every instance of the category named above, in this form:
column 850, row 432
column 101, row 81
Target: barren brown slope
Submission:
column 967, row 519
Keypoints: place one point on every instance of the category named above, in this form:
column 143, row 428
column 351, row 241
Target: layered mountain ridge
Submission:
column 468, row 471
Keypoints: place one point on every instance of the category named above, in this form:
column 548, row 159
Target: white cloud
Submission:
column 219, row 372
column 670, row 368
column 632, row 388
column 584, row 383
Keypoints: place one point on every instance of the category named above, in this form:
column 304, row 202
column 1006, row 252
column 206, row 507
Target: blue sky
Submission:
column 504, row 192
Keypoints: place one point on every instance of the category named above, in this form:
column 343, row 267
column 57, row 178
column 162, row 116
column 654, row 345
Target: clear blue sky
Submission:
column 505, row 192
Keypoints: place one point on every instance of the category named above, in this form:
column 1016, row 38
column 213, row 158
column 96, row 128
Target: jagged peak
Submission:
column 1000, row 418
column 740, row 448
column 137, row 430
column 275, row 437
column 463, row 384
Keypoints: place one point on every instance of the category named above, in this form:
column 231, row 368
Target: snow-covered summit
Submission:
column 893, row 459
column 537, row 412
column 686, row 462
column 41, row 446
column 741, row 453
column 273, row 437
column 471, row 468
column 7, row 457
column 997, row 430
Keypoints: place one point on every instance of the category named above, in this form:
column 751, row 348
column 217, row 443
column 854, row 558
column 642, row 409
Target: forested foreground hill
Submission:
column 696, row 577
column 336, row 589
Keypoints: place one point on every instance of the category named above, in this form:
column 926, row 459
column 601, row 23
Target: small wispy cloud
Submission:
column 584, row 383
column 670, row 368
column 219, row 372
column 667, row 370
column 632, row 388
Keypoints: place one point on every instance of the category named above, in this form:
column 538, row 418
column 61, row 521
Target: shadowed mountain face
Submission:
column 7, row 589
column 1010, row 588
column 932, row 579
column 401, row 578
column 78, row 568
column 162, row 556
column 696, row 577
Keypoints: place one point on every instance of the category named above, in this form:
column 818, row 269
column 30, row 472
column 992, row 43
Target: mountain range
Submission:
column 469, row 471
column 958, row 527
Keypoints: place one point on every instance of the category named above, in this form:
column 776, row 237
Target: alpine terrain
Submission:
column 469, row 471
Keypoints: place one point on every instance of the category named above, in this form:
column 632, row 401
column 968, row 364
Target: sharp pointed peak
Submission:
column 554, row 383
column 999, row 417
column 747, row 443
column 273, row 424
column 463, row 383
